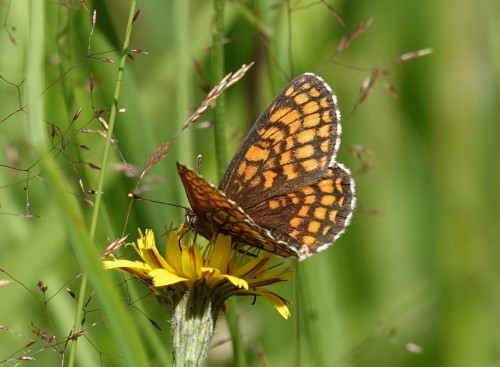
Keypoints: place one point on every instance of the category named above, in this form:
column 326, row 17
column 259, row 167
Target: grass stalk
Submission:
column 81, row 238
column 218, row 72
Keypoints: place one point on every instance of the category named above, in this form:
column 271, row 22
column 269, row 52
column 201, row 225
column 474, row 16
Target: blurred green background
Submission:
column 419, row 263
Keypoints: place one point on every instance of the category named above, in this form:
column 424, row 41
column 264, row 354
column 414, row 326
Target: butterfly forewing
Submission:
column 293, row 142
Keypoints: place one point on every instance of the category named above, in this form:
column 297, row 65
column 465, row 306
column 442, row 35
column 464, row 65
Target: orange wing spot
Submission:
column 256, row 153
column 257, row 180
column 273, row 107
column 324, row 102
column 310, row 199
column 325, row 146
column 308, row 240
column 320, row 213
column 306, row 85
column 277, row 149
column 338, row 185
column 290, row 172
column 326, row 230
column 295, row 200
column 270, row 165
column 267, row 131
column 327, row 200
column 303, row 211
column 341, row 202
column 295, row 126
column 310, row 164
column 301, row 98
column 310, row 107
column 290, row 91
column 326, row 186
column 295, row 222
column 289, row 143
column 278, row 114
column 324, row 131
column 314, row 93
column 294, row 234
column 332, row 216
column 307, row 191
column 269, row 178
column 290, row 117
column 285, row 158
column 314, row 227
column 326, row 116
column 266, row 144
column 311, row 120
column 250, row 172
column 304, row 151
column 242, row 168
column 274, row 204
column 306, row 136
column 274, row 133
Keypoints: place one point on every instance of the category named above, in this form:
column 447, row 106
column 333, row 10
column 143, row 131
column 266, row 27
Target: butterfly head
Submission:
column 201, row 227
column 191, row 218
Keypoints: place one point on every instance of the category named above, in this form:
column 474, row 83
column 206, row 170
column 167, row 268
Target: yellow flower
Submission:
column 216, row 272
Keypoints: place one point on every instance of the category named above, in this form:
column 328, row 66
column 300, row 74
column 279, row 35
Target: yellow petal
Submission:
column 162, row 277
column 124, row 264
column 277, row 301
column 136, row 268
column 208, row 271
column 152, row 257
column 174, row 252
column 191, row 262
column 213, row 276
column 187, row 266
column 238, row 282
column 196, row 258
column 149, row 252
column 222, row 251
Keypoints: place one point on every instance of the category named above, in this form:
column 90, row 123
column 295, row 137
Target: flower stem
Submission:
column 193, row 326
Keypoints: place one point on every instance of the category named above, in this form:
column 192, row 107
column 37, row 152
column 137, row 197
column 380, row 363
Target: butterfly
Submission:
column 283, row 191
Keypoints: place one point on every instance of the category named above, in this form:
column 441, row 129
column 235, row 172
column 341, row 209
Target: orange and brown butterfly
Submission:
column 283, row 191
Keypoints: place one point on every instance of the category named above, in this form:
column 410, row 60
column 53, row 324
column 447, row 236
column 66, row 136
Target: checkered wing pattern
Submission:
column 311, row 217
column 292, row 143
column 283, row 191
column 213, row 212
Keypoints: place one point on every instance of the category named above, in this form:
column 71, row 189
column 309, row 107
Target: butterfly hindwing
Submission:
column 311, row 217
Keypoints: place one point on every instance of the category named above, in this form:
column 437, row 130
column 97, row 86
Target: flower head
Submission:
column 214, row 272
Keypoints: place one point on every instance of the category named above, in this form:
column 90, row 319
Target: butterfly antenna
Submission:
column 140, row 198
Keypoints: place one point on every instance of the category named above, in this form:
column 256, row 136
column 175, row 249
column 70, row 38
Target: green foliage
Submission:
column 419, row 263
